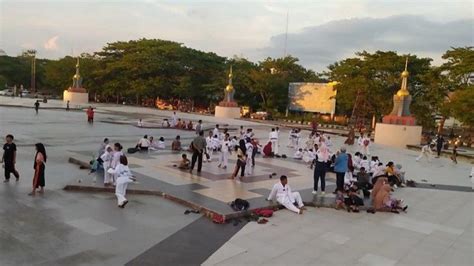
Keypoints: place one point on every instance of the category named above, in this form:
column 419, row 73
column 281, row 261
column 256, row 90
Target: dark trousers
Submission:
column 438, row 150
column 340, row 181
column 197, row 155
column 319, row 173
column 10, row 168
column 240, row 165
column 254, row 152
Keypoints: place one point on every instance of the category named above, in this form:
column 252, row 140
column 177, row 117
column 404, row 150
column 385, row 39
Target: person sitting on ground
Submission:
column 179, row 124
column 143, row 144
column 378, row 185
column 154, row 145
column 190, row 125
column 183, row 125
column 374, row 162
column 378, row 171
column 392, row 176
column 328, row 142
column 165, row 123
column 353, row 201
column 282, row 193
column 356, row 160
column 340, row 199
column 298, row 154
column 308, row 156
column 400, row 174
column 176, row 144
column 184, row 163
column 267, row 150
column 383, row 201
column 364, row 163
column 363, row 182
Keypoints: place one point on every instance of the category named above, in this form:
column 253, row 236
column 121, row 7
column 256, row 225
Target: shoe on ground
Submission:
column 395, row 186
column 314, row 192
column 323, row 193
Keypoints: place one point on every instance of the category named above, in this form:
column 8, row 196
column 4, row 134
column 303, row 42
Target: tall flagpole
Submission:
column 286, row 32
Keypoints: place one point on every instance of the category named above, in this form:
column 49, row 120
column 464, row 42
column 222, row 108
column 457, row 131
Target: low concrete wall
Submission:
column 227, row 112
column 397, row 135
column 75, row 97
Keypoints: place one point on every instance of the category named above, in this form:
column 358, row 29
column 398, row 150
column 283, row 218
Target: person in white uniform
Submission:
column 107, row 162
column 215, row 131
column 273, row 137
column 249, row 146
column 224, row 153
column 282, row 193
column 174, row 119
column 209, row 146
column 425, row 152
column 116, row 159
column 124, row 178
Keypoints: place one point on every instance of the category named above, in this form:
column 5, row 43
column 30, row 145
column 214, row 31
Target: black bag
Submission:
column 132, row 150
column 239, row 205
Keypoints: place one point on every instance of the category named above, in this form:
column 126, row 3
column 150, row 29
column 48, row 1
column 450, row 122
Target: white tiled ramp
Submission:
column 321, row 236
column 91, row 226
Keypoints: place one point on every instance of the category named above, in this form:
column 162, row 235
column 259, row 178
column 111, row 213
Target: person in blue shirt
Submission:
column 340, row 168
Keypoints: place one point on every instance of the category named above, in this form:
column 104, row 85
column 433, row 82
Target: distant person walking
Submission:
column 439, row 145
column 39, row 166
column 198, row 146
column 67, row 106
column 9, row 158
column 198, row 127
column 90, row 115
column 37, row 106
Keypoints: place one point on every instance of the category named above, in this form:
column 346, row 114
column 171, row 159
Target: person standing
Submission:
column 215, row 131
column 224, row 153
column 9, row 158
column 198, row 127
column 37, row 106
column 455, row 154
column 67, row 106
column 198, row 145
column 249, row 147
column 174, row 119
column 124, row 178
column 273, row 137
column 106, row 158
column 241, row 160
column 90, row 115
column 425, row 151
column 340, row 168
column 209, row 146
column 39, row 166
column 350, row 137
column 439, row 145
column 322, row 157
column 116, row 159
column 242, row 132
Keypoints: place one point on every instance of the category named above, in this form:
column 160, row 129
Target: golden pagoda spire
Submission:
column 403, row 91
column 229, row 87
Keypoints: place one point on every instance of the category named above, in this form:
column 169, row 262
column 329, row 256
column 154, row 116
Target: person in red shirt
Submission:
column 90, row 115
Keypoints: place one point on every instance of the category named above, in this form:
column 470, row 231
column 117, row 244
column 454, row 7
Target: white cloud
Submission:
column 51, row 43
column 319, row 46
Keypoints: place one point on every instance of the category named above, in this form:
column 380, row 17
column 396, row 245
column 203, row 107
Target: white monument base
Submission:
column 76, row 97
column 227, row 112
column 397, row 135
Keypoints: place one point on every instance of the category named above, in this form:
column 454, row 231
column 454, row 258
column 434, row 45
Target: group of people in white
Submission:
column 316, row 150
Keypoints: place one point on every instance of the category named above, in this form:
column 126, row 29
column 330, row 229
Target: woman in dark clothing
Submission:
column 39, row 166
column 241, row 159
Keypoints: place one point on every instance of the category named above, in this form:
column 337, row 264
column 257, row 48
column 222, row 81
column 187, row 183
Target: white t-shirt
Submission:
column 145, row 143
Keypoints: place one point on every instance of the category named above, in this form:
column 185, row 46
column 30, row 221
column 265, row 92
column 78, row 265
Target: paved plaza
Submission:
column 66, row 227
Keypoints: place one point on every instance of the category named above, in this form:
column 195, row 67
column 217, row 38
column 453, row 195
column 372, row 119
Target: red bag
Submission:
column 218, row 219
column 264, row 212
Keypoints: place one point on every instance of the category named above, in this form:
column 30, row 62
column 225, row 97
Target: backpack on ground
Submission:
column 239, row 205
column 132, row 150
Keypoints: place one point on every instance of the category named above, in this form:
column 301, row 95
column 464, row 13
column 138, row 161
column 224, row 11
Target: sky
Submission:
column 319, row 32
